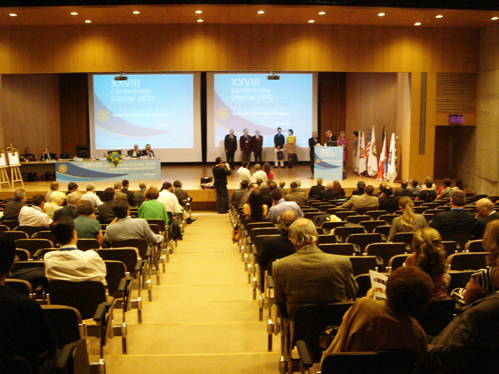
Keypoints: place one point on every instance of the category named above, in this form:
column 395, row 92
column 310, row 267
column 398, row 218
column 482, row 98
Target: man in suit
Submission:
column 257, row 146
column 485, row 214
column 296, row 195
column 26, row 157
column 127, row 192
column 106, row 212
column 310, row 276
column 70, row 210
column 456, row 220
column 45, row 155
column 246, row 145
column 148, row 151
column 13, row 207
column 135, row 152
column 238, row 194
column 278, row 147
column 364, row 202
column 315, row 191
column 403, row 190
column 230, row 144
column 387, row 201
column 138, row 196
column 220, row 172
column 312, row 142
column 361, row 186
column 328, row 193
column 330, row 137
column 119, row 194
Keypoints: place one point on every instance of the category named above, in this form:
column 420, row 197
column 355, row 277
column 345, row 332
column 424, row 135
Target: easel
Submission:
column 4, row 177
column 15, row 171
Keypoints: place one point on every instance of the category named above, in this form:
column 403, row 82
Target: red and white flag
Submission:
column 382, row 159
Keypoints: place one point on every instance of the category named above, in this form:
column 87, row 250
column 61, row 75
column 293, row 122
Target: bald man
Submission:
column 485, row 214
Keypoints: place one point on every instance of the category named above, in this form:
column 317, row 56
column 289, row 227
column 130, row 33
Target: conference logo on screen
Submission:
column 103, row 115
column 223, row 113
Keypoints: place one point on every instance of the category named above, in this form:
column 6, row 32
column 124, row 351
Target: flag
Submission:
column 372, row 162
column 361, row 164
column 392, row 161
column 368, row 145
column 382, row 159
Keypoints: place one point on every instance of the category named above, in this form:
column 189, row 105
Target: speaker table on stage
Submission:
column 328, row 163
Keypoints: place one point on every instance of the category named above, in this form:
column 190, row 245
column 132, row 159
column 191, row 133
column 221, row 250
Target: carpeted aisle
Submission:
column 202, row 317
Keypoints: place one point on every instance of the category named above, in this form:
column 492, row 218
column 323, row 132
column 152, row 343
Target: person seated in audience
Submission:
column 72, row 187
column 381, row 325
column 169, row 199
column 364, row 202
column 456, row 220
column 69, row 263
column 267, row 168
column 57, row 199
column 382, row 186
column 428, row 194
column 91, row 196
column 259, row 174
column 87, row 226
column 35, row 215
column 184, row 200
column 445, row 190
column 243, row 172
column 138, row 196
column 54, row 186
column 125, row 183
column 403, row 190
column 118, row 186
column 238, row 194
column 315, row 191
column 245, row 197
column 485, row 214
column 427, row 181
column 135, row 152
column 328, row 193
column 70, row 210
column 280, row 205
column 275, row 247
column 459, row 186
column 13, row 207
column 24, row 329
column 429, row 255
column 387, row 201
column 484, row 281
column 471, row 340
column 255, row 208
column 282, row 184
column 338, row 189
column 310, row 276
column 300, row 190
column 361, row 186
column 152, row 208
column 296, row 195
column 409, row 221
column 148, row 151
column 125, row 227
column 106, row 212
column 267, row 198
column 414, row 187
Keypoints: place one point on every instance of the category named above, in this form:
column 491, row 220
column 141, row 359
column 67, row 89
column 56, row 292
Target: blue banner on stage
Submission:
column 94, row 171
column 328, row 163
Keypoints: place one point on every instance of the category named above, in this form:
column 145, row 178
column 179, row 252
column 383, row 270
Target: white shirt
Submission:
column 71, row 264
column 260, row 174
column 170, row 200
column 33, row 216
column 244, row 174
column 92, row 197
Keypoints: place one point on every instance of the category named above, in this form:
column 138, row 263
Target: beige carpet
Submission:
column 202, row 317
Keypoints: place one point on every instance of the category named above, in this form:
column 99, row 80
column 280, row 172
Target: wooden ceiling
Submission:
column 245, row 14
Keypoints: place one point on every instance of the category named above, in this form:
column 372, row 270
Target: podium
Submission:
column 328, row 163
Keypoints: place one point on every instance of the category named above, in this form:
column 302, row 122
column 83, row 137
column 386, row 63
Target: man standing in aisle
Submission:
column 246, row 144
column 230, row 147
column 257, row 146
column 278, row 145
column 220, row 172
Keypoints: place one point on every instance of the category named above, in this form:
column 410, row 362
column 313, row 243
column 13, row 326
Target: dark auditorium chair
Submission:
column 364, row 283
column 345, row 231
column 84, row 244
column 395, row 262
column 467, row 261
column 388, row 218
column 385, row 250
column 364, row 239
column 45, row 234
column 11, row 224
column 375, row 214
column 383, row 229
column 4, row 228
column 332, row 225
column 344, row 249
column 20, row 286
column 358, row 218
column 15, row 235
column 66, row 323
column 362, row 264
column 22, row 255
column 30, row 230
column 33, row 245
column 436, row 316
column 451, row 247
column 474, row 246
column 459, row 278
column 403, row 237
column 344, row 214
column 325, row 239
column 14, row 365
column 371, row 225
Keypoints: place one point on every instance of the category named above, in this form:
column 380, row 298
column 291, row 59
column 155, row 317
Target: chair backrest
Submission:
column 22, row 255
column 420, row 209
column 311, row 215
column 40, row 254
column 65, row 322
column 26, row 264
column 116, row 271
column 4, row 228
column 436, row 316
column 388, row 218
column 154, row 228
column 383, row 229
column 85, row 244
column 385, row 250
column 364, row 283
column 74, row 359
column 32, row 245
column 403, row 237
column 364, row 239
column 16, row 235
column 159, row 222
column 325, row 239
column 20, row 286
column 252, row 225
column 376, row 213
column 344, row 214
column 344, row 249
column 345, row 231
column 395, row 262
column 358, row 218
column 335, row 210
column 14, row 365
column 459, row 278
column 263, row 231
column 30, row 230
column 332, row 225
column 140, row 244
column 84, row 296
column 362, row 264
column 467, row 261
column 45, row 234
column 450, row 247
column 126, row 255
column 371, row 225
column 10, row 223
column 474, row 246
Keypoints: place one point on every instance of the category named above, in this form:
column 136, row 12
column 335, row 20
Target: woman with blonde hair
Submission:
column 429, row 255
column 57, row 198
column 409, row 221
column 484, row 281
column 338, row 189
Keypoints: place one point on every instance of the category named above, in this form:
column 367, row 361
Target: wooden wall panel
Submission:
column 332, row 88
column 456, row 57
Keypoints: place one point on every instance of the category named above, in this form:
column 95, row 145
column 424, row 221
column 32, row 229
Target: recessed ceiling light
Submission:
column 494, row 18
column 417, row 24
column 322, row 13
column 88, row 21
column 381, row 14
column 136, row 12
column 74, row 13
column 311, row 21
column 261, row 12
column 439, row 16
column 13, row 15
column 198, row 11
column 200, row 20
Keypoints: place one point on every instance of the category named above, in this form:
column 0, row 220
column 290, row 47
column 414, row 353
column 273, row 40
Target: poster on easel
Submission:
column 13, row 158
column 3, row 161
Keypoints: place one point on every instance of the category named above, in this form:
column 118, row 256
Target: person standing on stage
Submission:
column 330, row 137
column 312, row 142
column 220, row 172
column 230, row 147
column 246, row 144
column 342, row 142
column 290, row 147
column 355, row 144
column 257, row 146
column 278, row 145
column 148, row 151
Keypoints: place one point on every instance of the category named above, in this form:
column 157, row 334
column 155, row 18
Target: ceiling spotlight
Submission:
column 200, row 20
column 13, row 15
column 273, row 76
column 136, row 12
column 88, row 21
column 74, row 13
column 381, row 14
column 261, row 12
column 311, row 21
column 198, row 12
column 322, row 13
column 439, row 16
column 121, row 77
column 494, row 18
column 417, row 24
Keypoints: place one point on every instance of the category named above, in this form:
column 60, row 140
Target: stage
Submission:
column 190, row 176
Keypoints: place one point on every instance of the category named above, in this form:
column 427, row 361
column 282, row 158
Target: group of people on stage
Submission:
column 330, row 137
column 136, row 152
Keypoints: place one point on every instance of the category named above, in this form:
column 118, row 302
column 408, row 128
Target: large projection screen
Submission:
column 162, row 110
column 249, row 100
